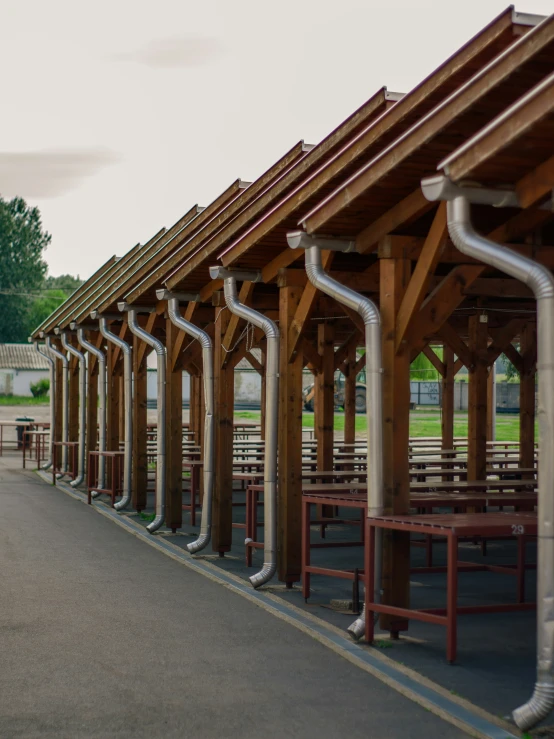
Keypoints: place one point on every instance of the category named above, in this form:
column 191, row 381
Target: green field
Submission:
column 23, row 400
column 422, row 423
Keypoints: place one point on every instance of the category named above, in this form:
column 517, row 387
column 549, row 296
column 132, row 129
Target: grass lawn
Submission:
column 423, row 422
column 23, row 400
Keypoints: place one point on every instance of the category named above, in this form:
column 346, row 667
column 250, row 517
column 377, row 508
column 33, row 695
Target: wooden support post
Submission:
column 477, row 399
column 92, row 408
column 58, row 400
column 73, row 425
column 290, row 443
column 528, row 351
column 112, row 402
column 140, row 435
column 394, row 276
column 350, row 398
column 112, row 405
column 174, row 435
column 224, row 390
column 325, row 393
column 490, row 402
column 447, row 411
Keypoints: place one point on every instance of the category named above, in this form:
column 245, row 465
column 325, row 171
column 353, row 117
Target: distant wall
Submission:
column 18, row 382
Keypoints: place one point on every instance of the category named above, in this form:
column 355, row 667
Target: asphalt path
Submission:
column 103, row 636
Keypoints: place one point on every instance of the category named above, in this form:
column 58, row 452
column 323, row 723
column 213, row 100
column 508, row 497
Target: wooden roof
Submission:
column 52, row 320
column 267, row 239
column 184, row 278
column 143, row 286
column 364, row 202
column 519, row 141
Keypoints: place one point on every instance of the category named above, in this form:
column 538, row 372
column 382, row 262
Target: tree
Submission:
column 423, row 369
column 66, row 283
column 42, row 307
column 22, row 267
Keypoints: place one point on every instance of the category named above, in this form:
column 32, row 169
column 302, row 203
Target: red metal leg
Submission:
column 521, row 540
column 451, row 596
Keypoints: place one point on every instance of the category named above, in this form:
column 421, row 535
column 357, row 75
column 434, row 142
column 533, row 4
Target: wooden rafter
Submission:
column 449, row 335
column 502, row 337
column 425, row 268
column 343, row 352
column 514, row 356
column 305, row 307
column 411, row 207
column 434, row 359
column 311, row 355
column 232, row 333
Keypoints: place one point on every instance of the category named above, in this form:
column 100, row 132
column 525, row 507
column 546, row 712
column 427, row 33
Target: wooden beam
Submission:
column 144, row 348
column 350, row 397
column 345, row 349
column 536, row 185
column 438, row 307
column 305, row 308
column 424, row 269
column 290, row 445
column 173, row 437
column 477, row 399
column 434, row 359
column 514, row 356
column 325, row 390
column 396, row 422
column 91, row 440
column 447, row 407
column 528, row 348
column 502, row 337
column 451, row 337
column 140, row 419
column 232, row 333
column 410, row 208
column 224, row 388
column 310, row 354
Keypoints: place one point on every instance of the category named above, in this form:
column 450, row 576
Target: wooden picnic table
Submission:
column 40, row 437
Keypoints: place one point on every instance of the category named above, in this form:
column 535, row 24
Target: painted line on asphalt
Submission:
column 453, row 709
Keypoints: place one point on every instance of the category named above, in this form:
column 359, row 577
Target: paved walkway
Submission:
column 102, row 636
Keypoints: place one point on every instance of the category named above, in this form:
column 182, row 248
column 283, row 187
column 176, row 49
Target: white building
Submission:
column 20, row 365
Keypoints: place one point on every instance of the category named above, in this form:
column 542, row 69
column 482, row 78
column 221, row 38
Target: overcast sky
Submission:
column 119, row 115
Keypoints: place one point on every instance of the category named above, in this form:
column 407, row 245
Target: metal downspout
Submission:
column 128, row 398
column 159, row 348
column 208, row 382
column 52, row 372
column 82, row 408
column 271, row 412
column 374, row 405
column 101, row 357
column 541, row 282
column 65, row 398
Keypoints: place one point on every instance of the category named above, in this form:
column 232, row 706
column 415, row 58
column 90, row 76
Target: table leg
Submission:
column 369, row 568
column 451, row 597
column 521, row 541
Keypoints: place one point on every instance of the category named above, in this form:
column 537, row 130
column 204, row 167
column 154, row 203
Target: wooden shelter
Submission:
column 361, row 183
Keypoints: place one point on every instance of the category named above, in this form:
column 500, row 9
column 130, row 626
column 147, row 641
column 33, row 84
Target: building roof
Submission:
column 21, row 357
